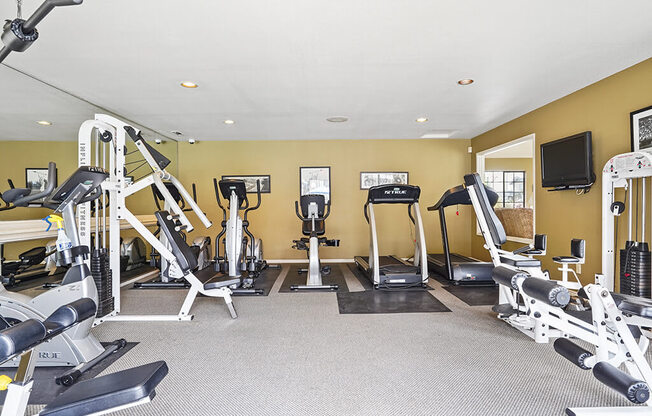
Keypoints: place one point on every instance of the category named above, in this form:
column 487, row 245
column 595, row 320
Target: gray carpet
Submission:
column 296, row 355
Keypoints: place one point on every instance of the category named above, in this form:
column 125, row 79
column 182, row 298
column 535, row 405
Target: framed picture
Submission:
column 369, row 179
column 250, row 182
column 641, row 128
column 36, row 179
column 315, row 180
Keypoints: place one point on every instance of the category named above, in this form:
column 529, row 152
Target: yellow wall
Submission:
column 15, row 156
column 604, row 109
column 434, row 165
column 515, row 163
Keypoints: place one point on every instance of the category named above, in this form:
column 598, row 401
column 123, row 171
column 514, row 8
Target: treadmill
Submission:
column 457, row 268
column 392, row 271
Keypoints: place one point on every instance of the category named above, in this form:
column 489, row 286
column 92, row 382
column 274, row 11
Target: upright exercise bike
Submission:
column 77, row 345
column 243, row 254
column 313, row 220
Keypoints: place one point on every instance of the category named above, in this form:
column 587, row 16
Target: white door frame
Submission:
column 479, row 167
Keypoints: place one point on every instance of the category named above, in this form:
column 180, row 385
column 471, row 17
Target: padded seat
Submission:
column 221, row 283
column 108, row 392
column 566, row 259
column 520, row 261
column 533, row 252
column 633, row 305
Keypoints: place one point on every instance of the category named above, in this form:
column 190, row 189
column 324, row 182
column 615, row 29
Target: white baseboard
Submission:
column 290, row 261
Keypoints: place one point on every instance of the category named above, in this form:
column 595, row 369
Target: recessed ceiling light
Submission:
column 192, row 141
column 229, row 122
column 422, row 119
column 158, row 141
column 44, row 123
column 189, row 84
column 337, row 119
column 466, row 81
column 176, row 132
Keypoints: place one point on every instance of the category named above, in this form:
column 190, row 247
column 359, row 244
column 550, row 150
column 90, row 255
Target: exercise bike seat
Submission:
column 15, row 194
column 114, row 390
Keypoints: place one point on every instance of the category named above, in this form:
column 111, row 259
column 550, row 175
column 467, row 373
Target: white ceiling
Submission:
column 279, row 68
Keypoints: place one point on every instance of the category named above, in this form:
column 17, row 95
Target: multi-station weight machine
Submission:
column 629, row 171
column 112, row 135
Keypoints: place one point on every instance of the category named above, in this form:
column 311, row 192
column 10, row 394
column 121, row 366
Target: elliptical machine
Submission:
column 313, row 224
column 77, row 345
column 243, row 254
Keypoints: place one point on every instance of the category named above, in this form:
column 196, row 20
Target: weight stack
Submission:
column 636, row 269
column 101, row 272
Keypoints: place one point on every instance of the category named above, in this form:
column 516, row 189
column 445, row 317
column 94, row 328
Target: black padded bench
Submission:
column 119, row 389
column 633, row 305
column 520, row 261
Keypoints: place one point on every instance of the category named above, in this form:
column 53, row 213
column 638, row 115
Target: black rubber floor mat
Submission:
column 264, row 282
column 336, row 277
column 36, row 282
column 139, row 271
column 441, row 279
column 382, row 301
column 475, row 295
column 45, row 389
column 367, row 285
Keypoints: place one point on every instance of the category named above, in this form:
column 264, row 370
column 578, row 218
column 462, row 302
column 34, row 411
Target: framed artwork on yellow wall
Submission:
column 315, row 180
column 641, row 128
column 369, row 179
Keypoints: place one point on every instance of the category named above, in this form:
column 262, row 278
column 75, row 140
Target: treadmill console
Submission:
column 393, row 194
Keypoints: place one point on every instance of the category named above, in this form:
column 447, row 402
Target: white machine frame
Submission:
column 120, row 188
column 619, row 172
column 506, row 295
column 608, row 330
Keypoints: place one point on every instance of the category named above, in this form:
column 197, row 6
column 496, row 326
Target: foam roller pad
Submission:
column 547, row 291
column 508, row 277
column 636, row 391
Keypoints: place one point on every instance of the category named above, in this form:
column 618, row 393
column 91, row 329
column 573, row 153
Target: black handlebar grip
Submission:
column 508, row 277
column 572, row 352
column 636, row 391
column 547, row 291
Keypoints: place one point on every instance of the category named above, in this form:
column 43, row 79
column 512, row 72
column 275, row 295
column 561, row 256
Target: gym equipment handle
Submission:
column 52, row 174
column 43, row 10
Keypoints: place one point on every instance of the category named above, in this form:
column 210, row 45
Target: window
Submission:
column 510, row 186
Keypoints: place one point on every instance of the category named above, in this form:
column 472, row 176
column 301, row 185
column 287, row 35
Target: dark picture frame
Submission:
column 250, row 182
column 369, row 179
column 36, row 179
column 315, row 180
column 640, row 127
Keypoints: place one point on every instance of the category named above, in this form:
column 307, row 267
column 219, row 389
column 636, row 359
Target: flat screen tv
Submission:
column 568, row 162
